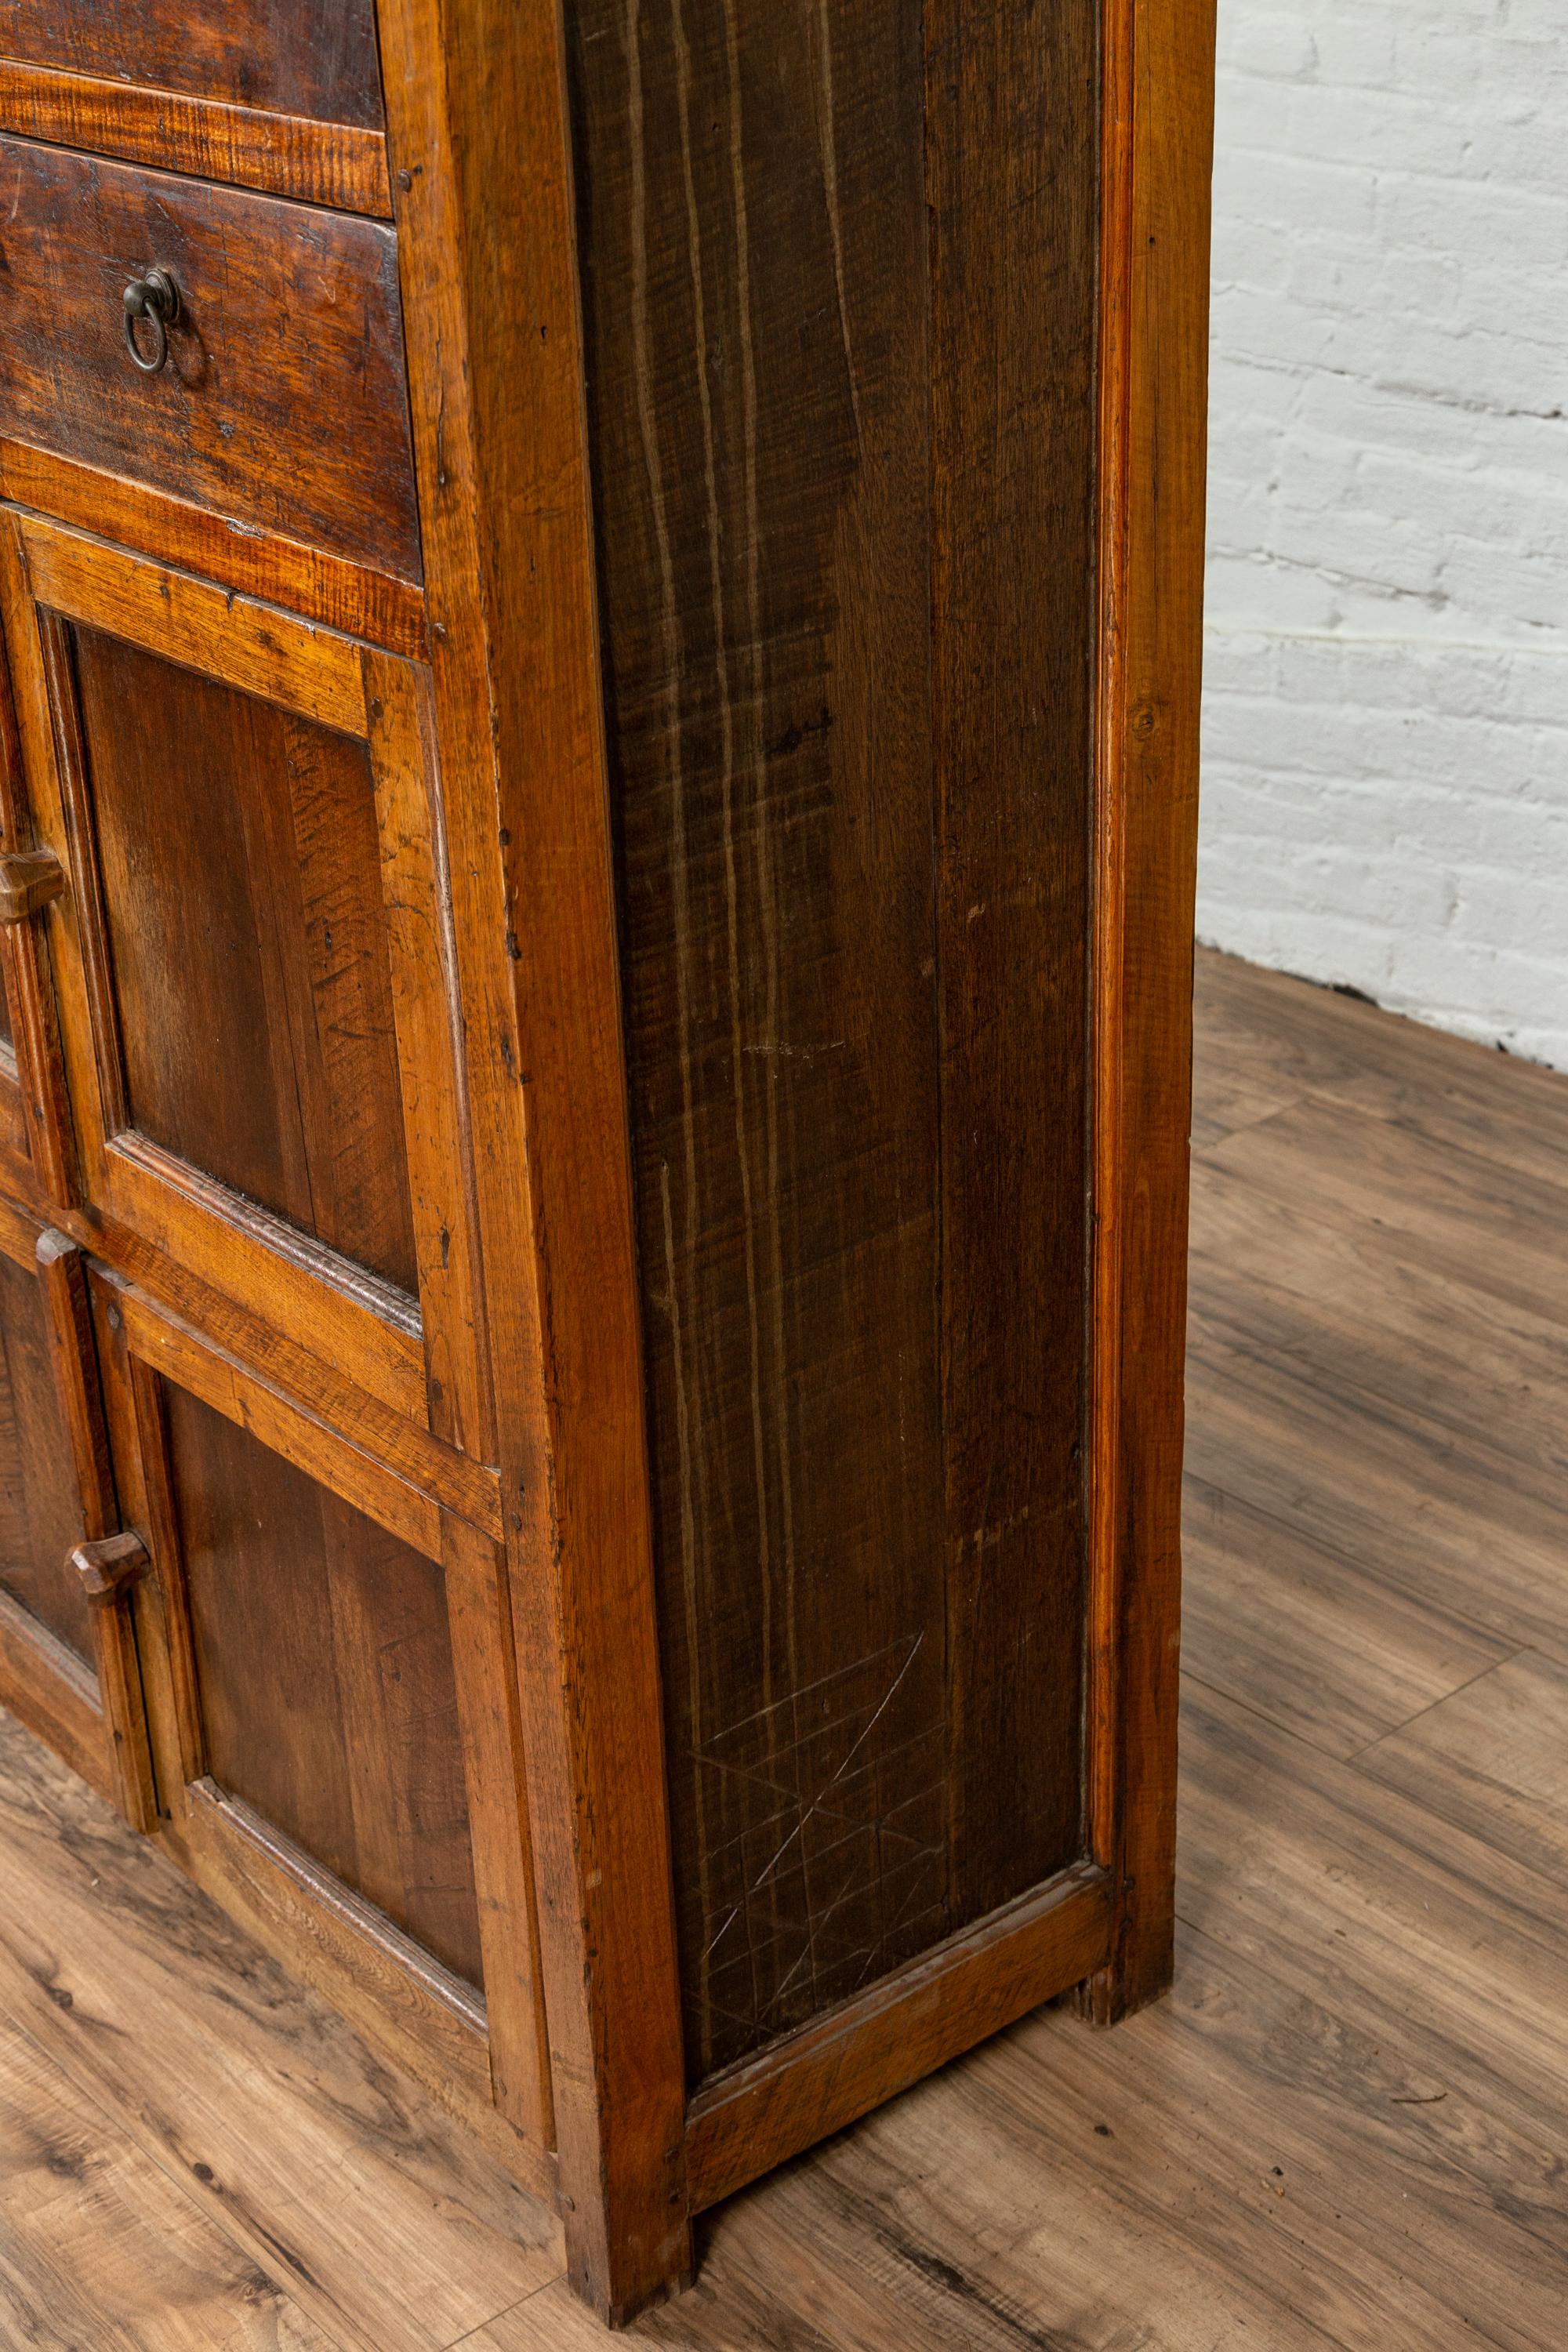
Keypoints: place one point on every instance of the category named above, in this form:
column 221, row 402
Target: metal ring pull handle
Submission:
column 156, row 298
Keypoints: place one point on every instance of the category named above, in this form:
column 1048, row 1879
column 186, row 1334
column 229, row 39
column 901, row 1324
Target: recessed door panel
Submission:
column 251, row 956
column 247, row 944
column 40, row 1500
column 324, row 1678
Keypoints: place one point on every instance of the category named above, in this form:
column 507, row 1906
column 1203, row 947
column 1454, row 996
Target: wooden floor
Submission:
column 1349, row 2125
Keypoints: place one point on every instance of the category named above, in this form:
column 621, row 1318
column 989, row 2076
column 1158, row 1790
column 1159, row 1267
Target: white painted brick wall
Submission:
column 1385, row 757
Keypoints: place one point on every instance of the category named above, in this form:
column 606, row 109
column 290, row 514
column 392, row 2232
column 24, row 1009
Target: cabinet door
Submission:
column 69, row 1659
column 333, row 1702
column 253, row 966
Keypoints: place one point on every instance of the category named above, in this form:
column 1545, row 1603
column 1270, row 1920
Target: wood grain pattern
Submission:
column 844, row 478
column 302, row 877
column 814, row 475
column 476, row 138
column 314, row 58
column 40, row 1500
column 196, row 625
column 1341, row 2130
column 46, row 1686
column 1158, row 130
column 324, row 1672
column 288, row 313
column 247, row 1355
column 279, row 571
column 335, row 2177
column 805, row 2089
column 282, row 155
column 46, row 1141
column 246, row 932
column 161, row 2273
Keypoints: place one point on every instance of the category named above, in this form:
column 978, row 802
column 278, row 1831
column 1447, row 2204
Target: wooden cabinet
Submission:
column 596, row 788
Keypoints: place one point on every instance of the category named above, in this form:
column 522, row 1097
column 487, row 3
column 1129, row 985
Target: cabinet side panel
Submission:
column 851, row 803
column 1013, row 162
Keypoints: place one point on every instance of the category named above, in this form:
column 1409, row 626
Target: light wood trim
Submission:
column 429, row 2021
column 61, row 1273
column 17, row 1175
column 46, row 1686
column 483, row 193
column 176, row 1694
column 51, row 1142
column 742, row 2124
column 1158, row 87
column 332, row 163
column 495, row 1774
column 345, row 596
column 107, row 1560
column 324, row 1390
column 189, row 622
column 342, row 1314
column 19, row 1235
column 422, row 963
column 192, row 1363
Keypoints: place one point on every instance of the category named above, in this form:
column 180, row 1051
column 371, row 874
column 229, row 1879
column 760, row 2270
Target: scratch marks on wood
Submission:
column 841, row 1790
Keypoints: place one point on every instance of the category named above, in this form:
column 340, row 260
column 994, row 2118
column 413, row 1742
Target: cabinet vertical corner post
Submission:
column 1158, row 132
column 479, row 155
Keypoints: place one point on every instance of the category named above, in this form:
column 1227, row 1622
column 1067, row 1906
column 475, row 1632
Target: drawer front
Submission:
column 282, row 404
column 311, row 57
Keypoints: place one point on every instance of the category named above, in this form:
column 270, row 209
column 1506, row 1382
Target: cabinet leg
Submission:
column 619, row 2274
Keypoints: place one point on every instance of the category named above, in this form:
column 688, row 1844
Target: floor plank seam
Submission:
column 1396, row 1730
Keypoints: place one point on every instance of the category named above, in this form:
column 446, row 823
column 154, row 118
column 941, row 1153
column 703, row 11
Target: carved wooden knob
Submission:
column 110, row 1566
column 29, row 879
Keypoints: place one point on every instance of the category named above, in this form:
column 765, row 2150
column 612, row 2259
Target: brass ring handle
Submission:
column 156, row 298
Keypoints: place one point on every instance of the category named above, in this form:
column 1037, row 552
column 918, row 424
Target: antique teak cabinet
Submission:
column 600, row 606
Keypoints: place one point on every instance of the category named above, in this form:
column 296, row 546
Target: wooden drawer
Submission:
column 283, row 405
column 311, row 57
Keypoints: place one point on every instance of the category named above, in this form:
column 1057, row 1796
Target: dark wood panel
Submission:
column 1013, row 142
column 283, row 403
column 249, row 946
column 315, row 58
column 324, row 1678
column 40, row 1505
column 849, row 624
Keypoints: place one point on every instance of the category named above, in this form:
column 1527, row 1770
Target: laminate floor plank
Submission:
column 336, row 2177
column 1492, row 1760
column 1301, row 1632
column 1431, row 1204
column 1386, row 1495
column 102, row 2249
column 1262, row 1031
column 1343, row 2131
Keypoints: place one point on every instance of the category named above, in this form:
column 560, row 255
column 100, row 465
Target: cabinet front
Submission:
column 253, row 1578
